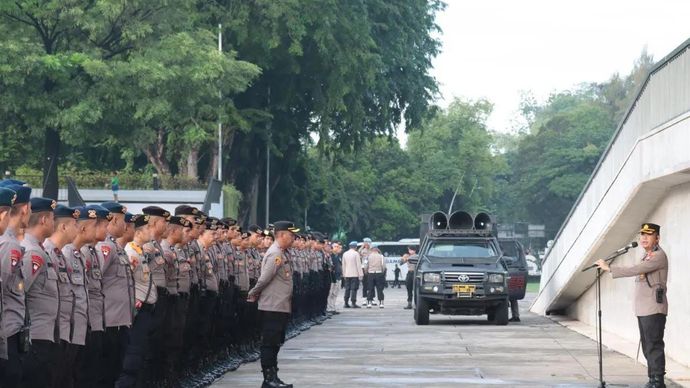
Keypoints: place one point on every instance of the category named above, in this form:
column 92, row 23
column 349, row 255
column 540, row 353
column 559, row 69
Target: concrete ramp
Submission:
column 641, row 177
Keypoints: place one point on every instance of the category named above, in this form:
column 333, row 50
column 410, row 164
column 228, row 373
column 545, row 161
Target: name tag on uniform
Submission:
column 146, row 271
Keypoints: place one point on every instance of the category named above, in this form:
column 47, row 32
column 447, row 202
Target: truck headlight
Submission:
column 432, row 277
column 495, row 278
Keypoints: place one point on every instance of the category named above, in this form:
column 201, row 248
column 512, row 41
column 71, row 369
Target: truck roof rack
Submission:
column 460, row 232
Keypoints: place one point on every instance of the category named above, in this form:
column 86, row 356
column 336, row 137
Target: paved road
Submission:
column 384, row 348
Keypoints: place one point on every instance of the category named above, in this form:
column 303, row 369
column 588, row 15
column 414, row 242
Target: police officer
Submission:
column 174, row 321
column 158, row 227
column 273, row 291
column 352, row 274
column 14, row 320
column 86, row 226
column 90, row 365
column 364, row 251
column 7, row 198
column 41, row 289
column 65, row 231
column 651, row 305
column 118, row 291
column 375, row 267
column 208, row 274
column 411, row 259
column 145, row 300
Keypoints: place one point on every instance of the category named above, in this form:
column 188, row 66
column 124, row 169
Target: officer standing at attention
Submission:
column 14, row 320
column 65, row 230
column 41, row 294
column 651, row 306
column 118, row 292
column 7, row 198
column 273, row 290
column 375, row 267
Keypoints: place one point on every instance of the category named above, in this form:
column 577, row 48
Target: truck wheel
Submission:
column 421, row 312
column 501, row 314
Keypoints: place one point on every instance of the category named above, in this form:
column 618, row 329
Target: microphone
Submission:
column 627, row 247
column 615, row 254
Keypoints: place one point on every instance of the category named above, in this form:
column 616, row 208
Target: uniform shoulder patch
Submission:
column 105, row 250
column 279, row 260
column 36, row 263
column 15, row 256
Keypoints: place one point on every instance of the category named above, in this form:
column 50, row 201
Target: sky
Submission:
column 499, row 49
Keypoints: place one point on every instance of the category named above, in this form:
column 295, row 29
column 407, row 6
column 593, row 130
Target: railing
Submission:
column 130, row 181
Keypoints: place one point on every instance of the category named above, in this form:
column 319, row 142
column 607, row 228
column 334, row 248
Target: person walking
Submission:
column 352, row 274
column 396, row 274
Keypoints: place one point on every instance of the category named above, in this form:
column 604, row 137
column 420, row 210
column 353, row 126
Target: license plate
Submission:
column 463, row 288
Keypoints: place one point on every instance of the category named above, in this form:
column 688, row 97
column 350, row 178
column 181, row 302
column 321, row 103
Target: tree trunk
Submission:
column 254, row 199
column 156, row 154
column 192, row 168
column 213, row 166
column 50, row 163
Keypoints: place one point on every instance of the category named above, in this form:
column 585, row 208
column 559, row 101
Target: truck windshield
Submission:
column 461, row 248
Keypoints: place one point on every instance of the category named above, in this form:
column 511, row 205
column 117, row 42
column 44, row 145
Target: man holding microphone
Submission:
column 651, row 306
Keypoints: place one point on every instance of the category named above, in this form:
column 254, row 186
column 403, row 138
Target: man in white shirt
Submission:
column 352, row 274
column 375, row 267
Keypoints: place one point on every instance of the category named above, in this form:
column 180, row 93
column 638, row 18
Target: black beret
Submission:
column 176, row 220
column 62, row 211
column 229, row 221
column 156, row 211
column 211, row 226
column 114, row 207
column 101, row 212
column 86, row 214
column 40, row 204
column 23, row 192
column 7, row 196
column 129, row 218
column 186, row 210
column 140, row 220
column 256, row 229
column 285, row 225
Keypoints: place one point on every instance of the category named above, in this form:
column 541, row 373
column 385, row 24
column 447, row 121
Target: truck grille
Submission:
column 467, row 277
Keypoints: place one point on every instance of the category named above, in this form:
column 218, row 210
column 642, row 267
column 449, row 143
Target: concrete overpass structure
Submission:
column 643, row 175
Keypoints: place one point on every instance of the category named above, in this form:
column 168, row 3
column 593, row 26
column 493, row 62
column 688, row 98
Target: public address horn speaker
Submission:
column 482, row 221
column 438, row 221
column 460, row 220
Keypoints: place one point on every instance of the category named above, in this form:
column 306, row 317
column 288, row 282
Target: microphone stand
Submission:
column 600, row 353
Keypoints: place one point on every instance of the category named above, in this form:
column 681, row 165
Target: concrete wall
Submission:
column 673, row 213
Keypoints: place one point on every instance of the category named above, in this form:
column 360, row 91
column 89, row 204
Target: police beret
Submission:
column 129, row 218
column 186, row 210
column 93, row 212
column 7, row 196
column 202, row 215
column 353, row 243
column 11, row 182
column 245, row 235
column 140, row 220
column 211, row 226
column 155, row 211
column 229, row 221
column 256, row 229
column 176, row 220
column 199, row 221
column 285, row 225
column 23, row 192
column 649, row 228
column 114, row 207
column 62, row 211
column 40, row 204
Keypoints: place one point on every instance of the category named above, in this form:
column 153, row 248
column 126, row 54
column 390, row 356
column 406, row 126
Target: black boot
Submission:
column 271, row 379
column 658, row 381
column 409, row 306
column 281, row 381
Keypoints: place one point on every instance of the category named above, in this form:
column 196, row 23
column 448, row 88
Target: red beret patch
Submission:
column 15, row 256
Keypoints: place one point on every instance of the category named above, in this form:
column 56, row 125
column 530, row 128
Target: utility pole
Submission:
column 220, row 126
column 268, row 166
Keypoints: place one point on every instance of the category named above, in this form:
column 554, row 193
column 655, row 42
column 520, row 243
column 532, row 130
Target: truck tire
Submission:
column 421, row 312
column 501, row 314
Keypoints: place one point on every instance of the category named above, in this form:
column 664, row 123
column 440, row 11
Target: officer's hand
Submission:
column 251, row 298
column 360, row 278
column 602, row 265
column 138, row 304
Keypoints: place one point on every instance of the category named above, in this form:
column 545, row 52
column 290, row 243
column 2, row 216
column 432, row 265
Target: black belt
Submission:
column 147, row 307
column 162, row 291
column 183, row 295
